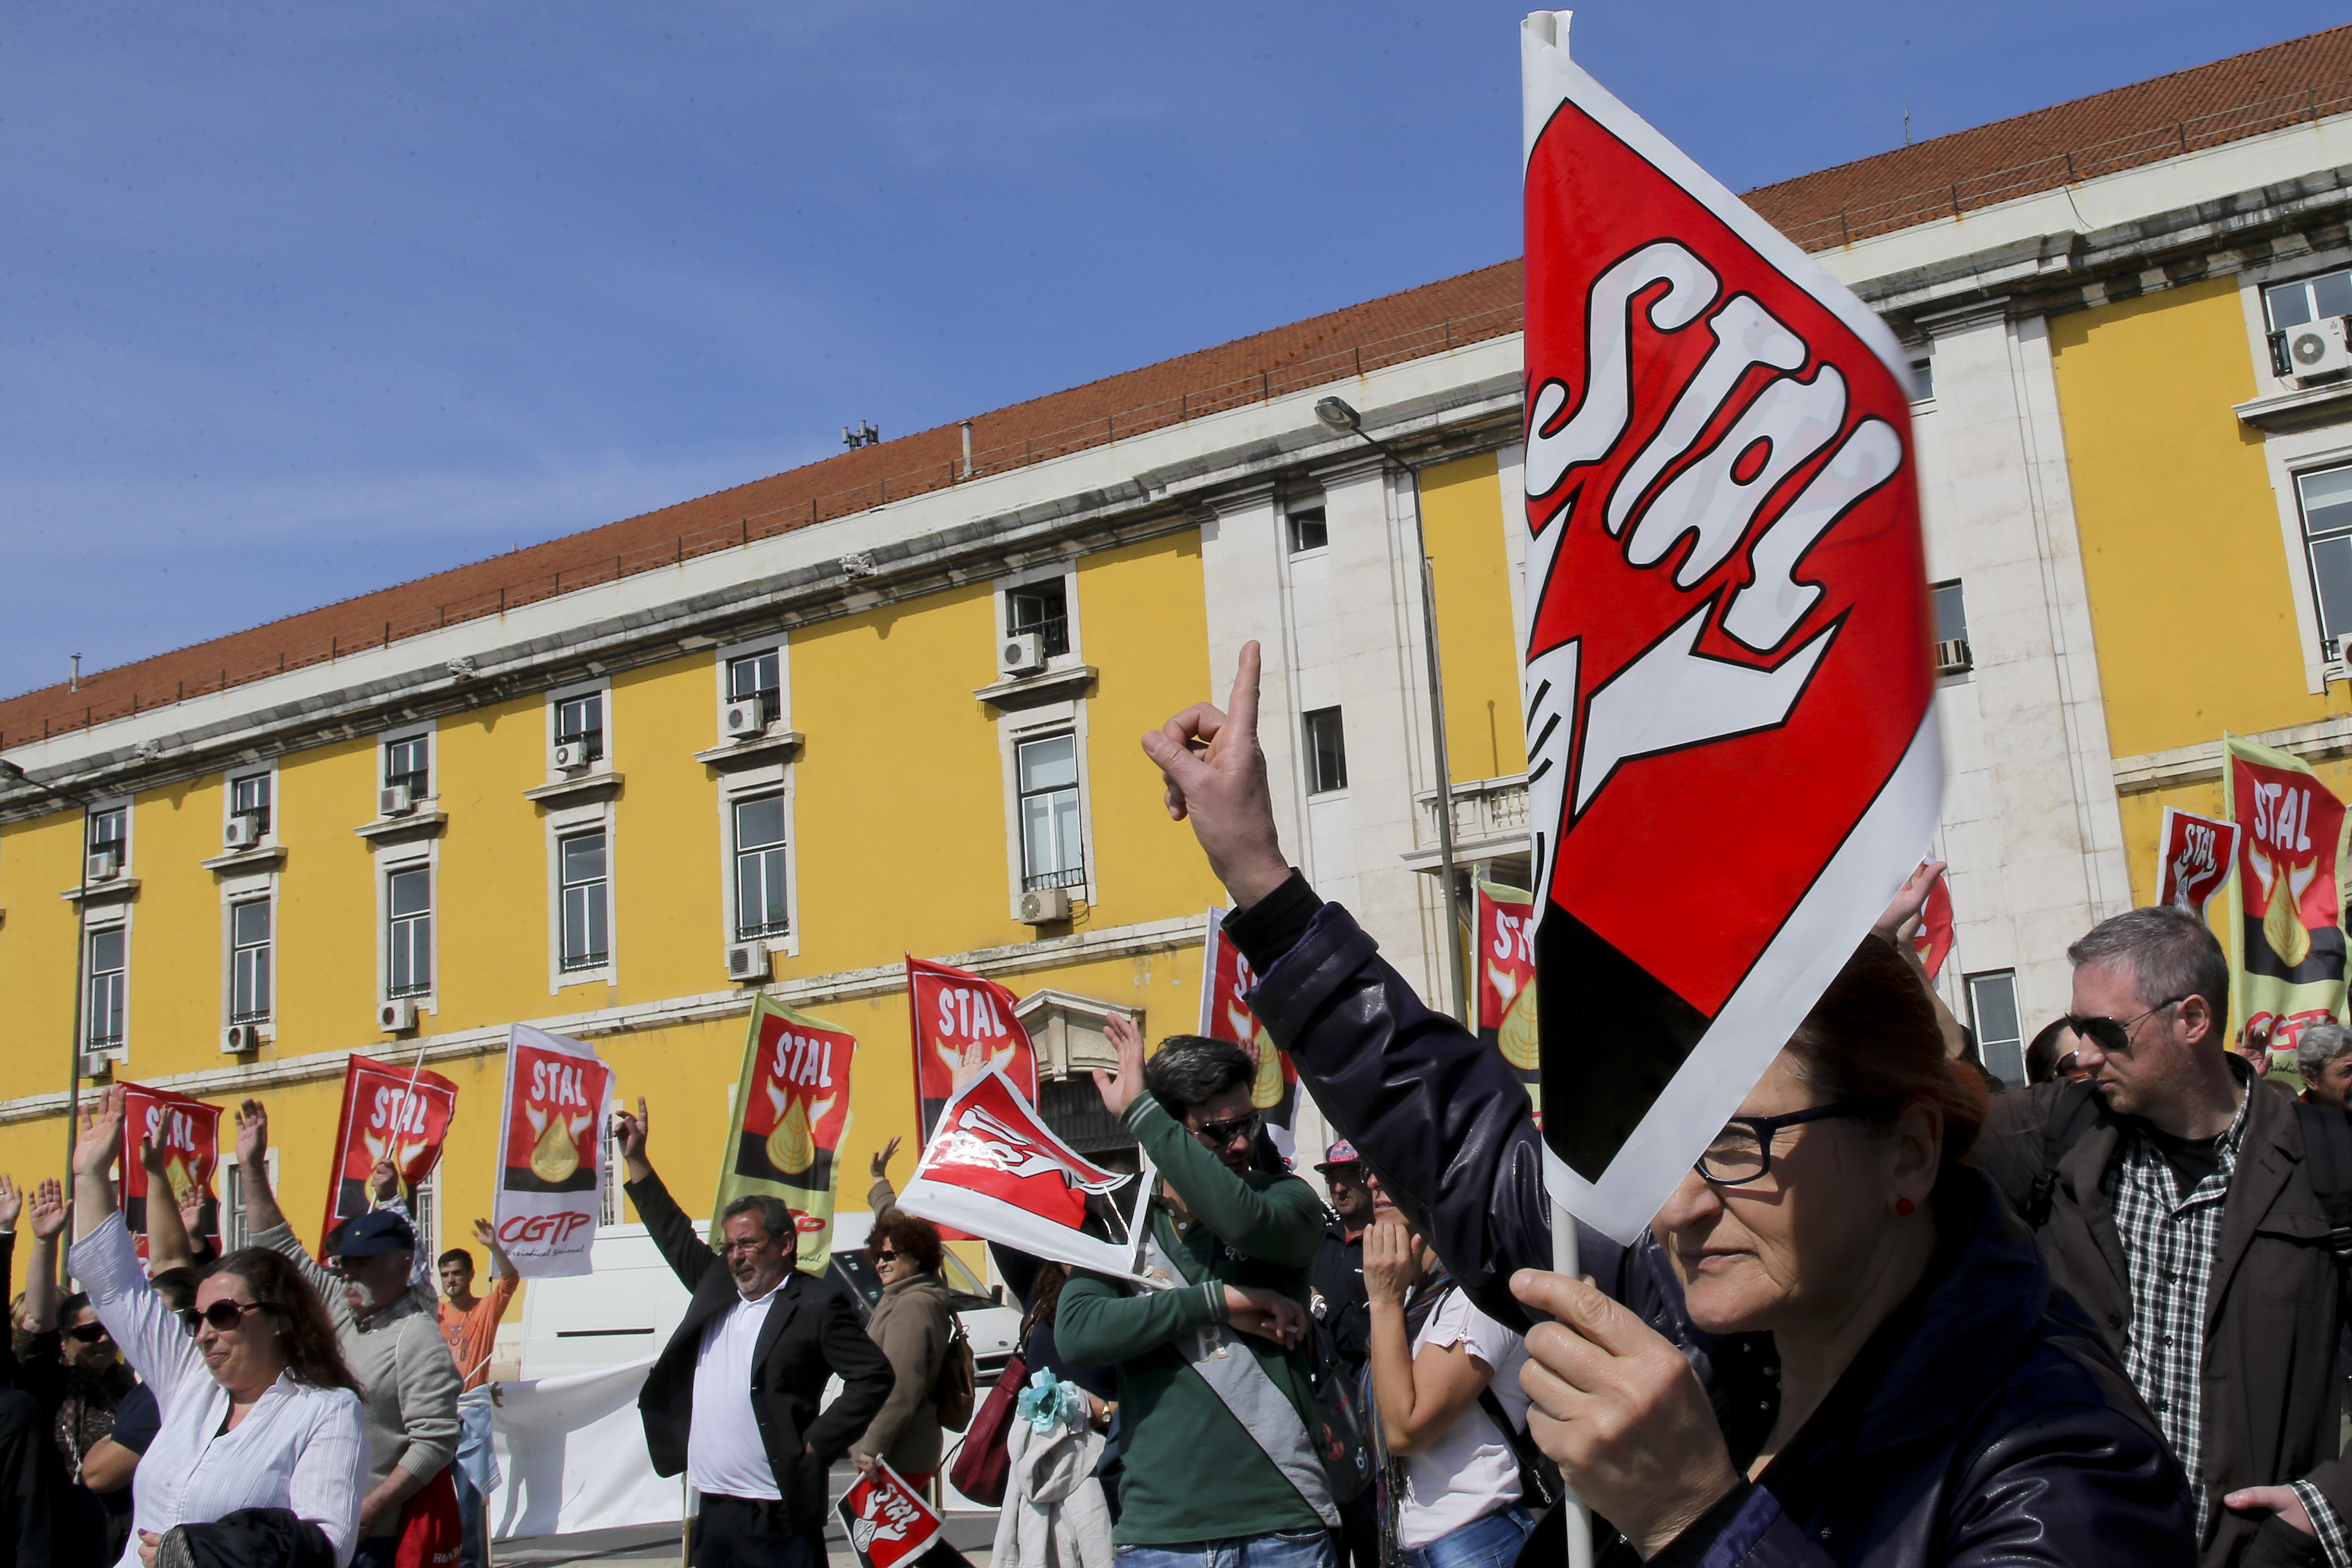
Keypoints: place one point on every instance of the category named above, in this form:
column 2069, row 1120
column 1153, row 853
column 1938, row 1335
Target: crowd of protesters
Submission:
column 1896, row 1313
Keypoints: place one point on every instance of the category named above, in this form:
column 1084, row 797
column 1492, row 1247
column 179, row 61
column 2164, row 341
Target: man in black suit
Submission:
column 733, row 1401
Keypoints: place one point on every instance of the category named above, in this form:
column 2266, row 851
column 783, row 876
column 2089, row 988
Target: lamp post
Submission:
column 1339, row 417
column 81, row 956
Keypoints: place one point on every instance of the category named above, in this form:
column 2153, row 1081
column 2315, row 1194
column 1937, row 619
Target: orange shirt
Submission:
column 471, row 1335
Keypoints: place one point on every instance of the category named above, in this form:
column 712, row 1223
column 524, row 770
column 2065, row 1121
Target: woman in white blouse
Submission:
column 258, row 1410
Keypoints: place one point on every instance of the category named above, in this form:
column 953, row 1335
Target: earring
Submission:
column 1902, row 1207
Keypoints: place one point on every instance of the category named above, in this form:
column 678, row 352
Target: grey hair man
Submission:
column 2324, row 1056
column 2173, row 1201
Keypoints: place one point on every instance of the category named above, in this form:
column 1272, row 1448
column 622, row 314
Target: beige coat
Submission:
column 912, row 1323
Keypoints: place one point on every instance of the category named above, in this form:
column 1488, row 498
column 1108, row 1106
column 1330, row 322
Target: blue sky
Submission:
column 302, row 301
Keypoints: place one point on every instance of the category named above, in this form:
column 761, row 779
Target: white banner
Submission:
column 552, row 1156
column 572, row 1453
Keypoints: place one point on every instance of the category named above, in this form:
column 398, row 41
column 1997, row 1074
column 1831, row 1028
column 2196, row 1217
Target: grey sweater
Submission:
column 398, row 1354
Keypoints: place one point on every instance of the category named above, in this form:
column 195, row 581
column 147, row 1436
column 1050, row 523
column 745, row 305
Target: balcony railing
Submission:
column 1052, row 634
column 1074, row 876
column 1483, row 809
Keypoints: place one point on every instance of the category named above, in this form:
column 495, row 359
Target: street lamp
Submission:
column 1341, row 419
column 15, row 772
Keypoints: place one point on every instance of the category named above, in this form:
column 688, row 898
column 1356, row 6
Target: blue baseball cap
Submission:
column 377, row 1232
column 1340, row 1153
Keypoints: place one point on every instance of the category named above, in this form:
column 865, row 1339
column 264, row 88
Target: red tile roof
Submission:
column 2226, row 101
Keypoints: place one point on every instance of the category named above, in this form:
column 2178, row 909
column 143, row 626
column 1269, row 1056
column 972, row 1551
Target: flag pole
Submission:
column 1574, row 1514
column 401, row 1120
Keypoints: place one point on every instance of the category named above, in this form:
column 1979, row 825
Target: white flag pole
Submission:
column 1573, row 1513
column 401, row 1120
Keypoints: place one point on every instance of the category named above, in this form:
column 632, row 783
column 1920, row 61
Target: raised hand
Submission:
column 1908, row 907
column 1214, row 771
column 10, row 1204
column 99, row 1143
column 1119, row 1089
column 881, row 1163
column 151, row 1156
column 252, row 1133
column 630, row 1133
column 1392, row 1258
column 384, row 1181
column 48, row 1210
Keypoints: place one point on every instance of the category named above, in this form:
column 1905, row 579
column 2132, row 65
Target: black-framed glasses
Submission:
column 1220, row 1134
column 2111, row 1036
column 87, row 1334
column 224, row 1315
column 886, row 1255
column 1742, row 1151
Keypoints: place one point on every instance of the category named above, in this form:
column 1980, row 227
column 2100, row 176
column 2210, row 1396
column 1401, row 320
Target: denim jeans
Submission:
column 1492, row 1542
column 475, row 1473
column 1283, row 1549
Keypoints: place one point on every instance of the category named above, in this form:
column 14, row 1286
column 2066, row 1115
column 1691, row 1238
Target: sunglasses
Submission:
column 2109, row 1034
column 1218, row 1134
column 886, row 1255
column 89, row 1334
column 224, row 1315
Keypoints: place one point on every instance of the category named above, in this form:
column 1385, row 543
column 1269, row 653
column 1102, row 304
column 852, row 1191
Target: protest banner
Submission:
column 401, row 1114
column 1933, row 940
column 2194, row 857
column 1728, row 603
column 791, row 1112
column 887, row 1521
column 1506, row 981
column 995, row 1171
column 2286, row 930
column 188, row 1132
column 1226, row 981
column 551, row 1153
column 960, row 1020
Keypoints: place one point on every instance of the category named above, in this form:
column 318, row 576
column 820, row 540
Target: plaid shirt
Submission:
column 2168, row 1245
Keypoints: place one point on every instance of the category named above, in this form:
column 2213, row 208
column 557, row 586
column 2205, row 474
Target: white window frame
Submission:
column 387, row 865
column 1043, row 723
column 2289, row 457
column 120, row 1050
column 778, row 645
column 230, row 780
column 1307, row 753
column 99, row 808
column 1315, row 501
column 232, row 1207
column 2017, row 1005
column 1065, row 572
column 598, row 817
column 427, row 733
column 738, row 784
column 425, row 1207
column 556, row 698
column 235, row 893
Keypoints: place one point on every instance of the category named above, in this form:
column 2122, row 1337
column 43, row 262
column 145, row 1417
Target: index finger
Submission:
column 1578, row 1306
column 1241, row 708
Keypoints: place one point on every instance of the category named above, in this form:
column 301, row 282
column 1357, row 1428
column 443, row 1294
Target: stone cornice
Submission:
column 2201, row 763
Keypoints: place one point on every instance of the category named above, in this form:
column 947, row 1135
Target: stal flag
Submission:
column 791, row 1112
column 961, row 1020
column 1728, row 605
column 996, row 1171
column 1506, row 981
column 2287, row 931
column 887, row 1521
column 551, row 1152
column 188, row 1133
column 388, row 1113
column 1933, row 940
column 2195, row 855
column 1226, row 981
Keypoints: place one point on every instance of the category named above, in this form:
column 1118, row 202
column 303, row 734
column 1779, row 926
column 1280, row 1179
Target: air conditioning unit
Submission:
column 103, row 866
column 747, row 960
column 743, row 721
column 238, row 1038
column 2318, row 348
column 242, row 832
column 395, row 800
column 1952, row 656
column 396, row 1017
column 95, row 1064
column 572, row 756
column 1042, row 906
column 1024, row 653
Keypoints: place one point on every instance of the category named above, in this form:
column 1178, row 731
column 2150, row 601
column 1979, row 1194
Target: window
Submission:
column 2326, row 498
column 1923, row 379
column 249, row 796
column 110, row 833
column 1307, row 530
column 609, row 1196
column 425, row 1213
column 234, row 1234
column 407, row 764
column 2001, row 1043
column 408, row 918
column 248, row 961
column 580, row 721
column 2308, row 300
column 1053, row 854
column 1327, row 751
column 1951, row 613
column 1044, row 608
column 110, row 962
column 757, row 676
column 580, row 871
column 759, row 868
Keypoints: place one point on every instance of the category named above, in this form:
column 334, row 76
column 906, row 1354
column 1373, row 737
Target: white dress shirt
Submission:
column 724, row 1451
column 299, row 1448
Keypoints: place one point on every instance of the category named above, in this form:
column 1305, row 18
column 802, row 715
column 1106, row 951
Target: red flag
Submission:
column 383, row 1117
column 2195, row 855
column 887, row 1521
column 1226, row 981
column 1729, row 604
column 1934, row 937
column 551, row 1154
column 961, row 1020
column 188, row 1132
column 1506, row 981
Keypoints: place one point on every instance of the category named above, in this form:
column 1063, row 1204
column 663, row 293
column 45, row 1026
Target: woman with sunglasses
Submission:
column 912, row 1323
column 260, row 1456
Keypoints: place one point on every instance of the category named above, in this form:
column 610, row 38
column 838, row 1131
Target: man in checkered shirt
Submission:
column 2184, row 1222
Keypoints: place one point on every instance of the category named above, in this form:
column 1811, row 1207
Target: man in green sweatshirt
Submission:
column 1217, row 1409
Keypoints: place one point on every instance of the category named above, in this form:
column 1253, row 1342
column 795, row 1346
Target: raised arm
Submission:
column 688, row 1255
column 167, row 1231
column 261, row 1211
column 107, row 1263
column 1420, row 1393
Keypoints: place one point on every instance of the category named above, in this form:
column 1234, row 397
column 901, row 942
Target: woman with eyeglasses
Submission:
column 912, row 1323
column 260, row 1457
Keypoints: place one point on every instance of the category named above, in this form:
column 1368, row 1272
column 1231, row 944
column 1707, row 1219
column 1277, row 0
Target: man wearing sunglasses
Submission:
column 2174, row 1200
column 1219, row 1460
